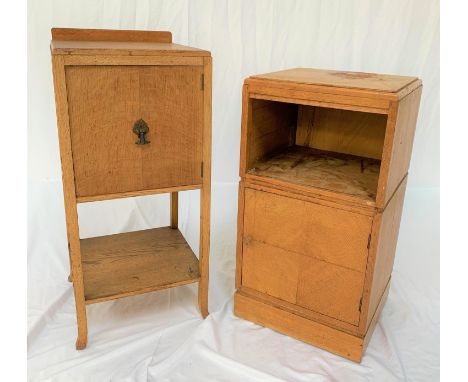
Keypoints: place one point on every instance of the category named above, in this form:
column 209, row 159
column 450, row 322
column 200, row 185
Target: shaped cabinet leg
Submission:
column 78, row 288
column 204, row 251
column 205, row 192
column 82, row 322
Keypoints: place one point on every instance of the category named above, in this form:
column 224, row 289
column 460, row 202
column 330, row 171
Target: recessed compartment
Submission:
column 322, row 148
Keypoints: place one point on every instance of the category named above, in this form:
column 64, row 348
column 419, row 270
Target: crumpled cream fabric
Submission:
column 160, row 336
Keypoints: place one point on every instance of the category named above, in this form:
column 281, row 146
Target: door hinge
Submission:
column 360, row 304
column 202, row 85
column 201, row 169
column 368, row 241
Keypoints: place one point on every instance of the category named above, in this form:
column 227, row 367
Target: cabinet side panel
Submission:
column 384, row 246
column 271, row 126
column 398, row 146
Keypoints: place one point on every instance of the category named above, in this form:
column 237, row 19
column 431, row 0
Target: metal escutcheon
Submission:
column 140, row 128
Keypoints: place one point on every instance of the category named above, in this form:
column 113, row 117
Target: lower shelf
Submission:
column 131, row 263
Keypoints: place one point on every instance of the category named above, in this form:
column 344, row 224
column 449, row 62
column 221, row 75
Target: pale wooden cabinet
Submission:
column 134, row 118
column 324, row 162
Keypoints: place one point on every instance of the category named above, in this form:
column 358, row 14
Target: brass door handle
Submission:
column 140, row 128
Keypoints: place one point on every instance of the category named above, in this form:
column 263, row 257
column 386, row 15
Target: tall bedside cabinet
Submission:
column 324, row 163
column 134, row 118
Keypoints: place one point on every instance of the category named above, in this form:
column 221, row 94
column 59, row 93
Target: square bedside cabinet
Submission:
column 324, row 163
column 134, row 118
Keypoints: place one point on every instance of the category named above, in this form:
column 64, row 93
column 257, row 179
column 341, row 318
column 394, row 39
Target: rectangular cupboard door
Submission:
column 106, row 102
column 304, row 253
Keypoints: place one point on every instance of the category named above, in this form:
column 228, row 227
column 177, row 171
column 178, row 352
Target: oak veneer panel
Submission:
column 343, row 174
column 323, row 233
column 303, row 280
column 106, row 158
column 270, row 270
column 358, row 80
column 343, row 131
column 129, row 263
column 330, row 289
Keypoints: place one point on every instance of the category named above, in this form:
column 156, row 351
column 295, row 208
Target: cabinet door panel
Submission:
column 324, row 233
column 304, row 253
column 104, row 104
column 329, row 289
column 270, row 270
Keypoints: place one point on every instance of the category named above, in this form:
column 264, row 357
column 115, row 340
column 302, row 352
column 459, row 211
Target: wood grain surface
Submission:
column 106, row 158
column 357, row 80
column 382, row 249
column 130, row 263
column 333, row 340
column 77, row 34
column 398, row 145
column 344, row 174
column 342, row 131
column 271, row 127
column 305, row 253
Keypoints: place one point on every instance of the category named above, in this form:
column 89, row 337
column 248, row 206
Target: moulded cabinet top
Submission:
column 342, row 79
column 118, row 42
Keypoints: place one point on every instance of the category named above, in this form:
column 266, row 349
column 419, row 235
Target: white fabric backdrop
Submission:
column 160, row 336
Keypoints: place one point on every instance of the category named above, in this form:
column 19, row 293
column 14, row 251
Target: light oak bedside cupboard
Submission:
column 324, row 163
column 134, row 118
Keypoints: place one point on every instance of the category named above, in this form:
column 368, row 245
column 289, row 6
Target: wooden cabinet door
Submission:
column 304, row 253
column 104, row 104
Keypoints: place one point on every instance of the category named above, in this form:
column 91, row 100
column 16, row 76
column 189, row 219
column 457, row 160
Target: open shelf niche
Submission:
column 316, row 147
